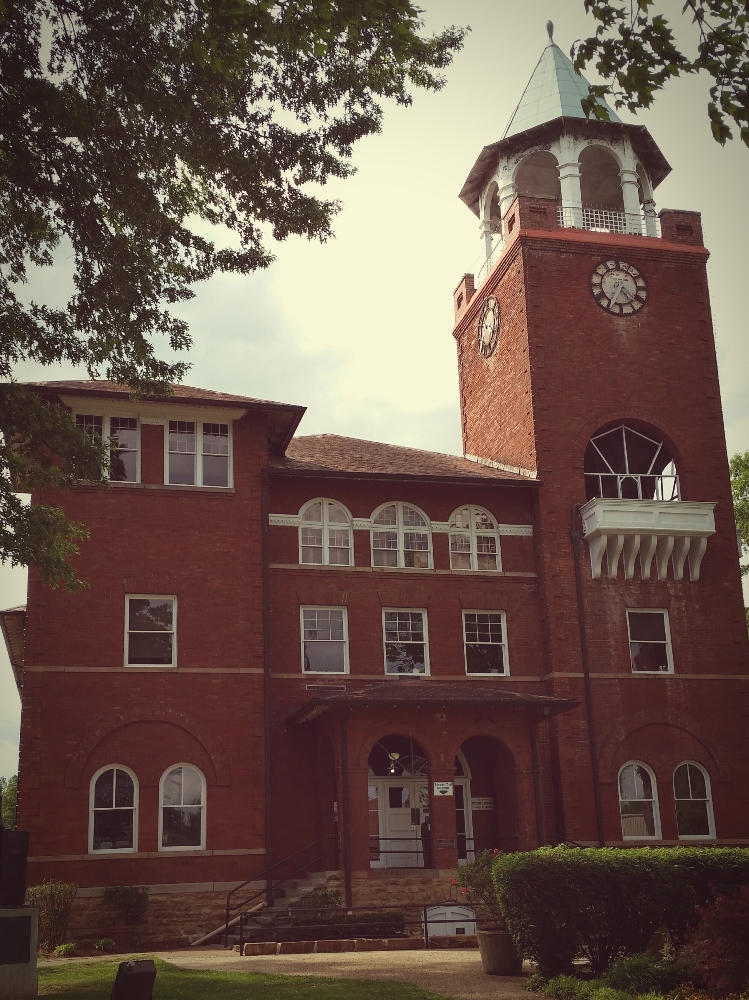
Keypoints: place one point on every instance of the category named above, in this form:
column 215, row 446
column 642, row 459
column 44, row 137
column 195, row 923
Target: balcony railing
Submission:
column 606, row 220
column 631, row 486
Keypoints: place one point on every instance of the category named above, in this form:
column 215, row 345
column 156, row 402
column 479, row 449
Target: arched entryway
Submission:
column 485, row 798
column 399, row 828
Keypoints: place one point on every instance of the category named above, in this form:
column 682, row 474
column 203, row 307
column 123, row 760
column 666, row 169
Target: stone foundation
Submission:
column 389, row 886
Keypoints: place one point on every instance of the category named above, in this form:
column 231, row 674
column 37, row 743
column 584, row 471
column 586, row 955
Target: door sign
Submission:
column 443, row 788
column 482, row 804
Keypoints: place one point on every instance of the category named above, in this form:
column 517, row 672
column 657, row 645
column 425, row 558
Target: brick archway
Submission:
column 116, row 720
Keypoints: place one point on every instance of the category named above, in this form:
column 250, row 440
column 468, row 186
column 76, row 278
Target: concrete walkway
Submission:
column 456, row 974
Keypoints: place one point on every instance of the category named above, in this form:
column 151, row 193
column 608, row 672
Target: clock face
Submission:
column 618, row 287
column 487, row 332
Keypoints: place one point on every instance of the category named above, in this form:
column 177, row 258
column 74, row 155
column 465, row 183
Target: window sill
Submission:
column 150, row 666
column 170, row 487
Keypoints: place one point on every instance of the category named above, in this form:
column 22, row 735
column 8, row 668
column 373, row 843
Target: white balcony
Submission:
column 658, row 531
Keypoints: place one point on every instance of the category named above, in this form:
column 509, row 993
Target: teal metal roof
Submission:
column 554, row 91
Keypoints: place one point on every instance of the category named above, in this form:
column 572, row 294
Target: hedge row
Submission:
column 565, row 903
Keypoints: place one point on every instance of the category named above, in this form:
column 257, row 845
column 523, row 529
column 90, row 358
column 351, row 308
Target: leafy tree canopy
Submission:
column 634, row 48
column 739, row 466
column 8, row 796
column 121, row 125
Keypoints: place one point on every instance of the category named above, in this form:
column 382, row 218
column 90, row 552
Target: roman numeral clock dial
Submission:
column 618, row 287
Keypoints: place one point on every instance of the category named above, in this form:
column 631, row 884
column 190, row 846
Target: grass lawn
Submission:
column 93, row 981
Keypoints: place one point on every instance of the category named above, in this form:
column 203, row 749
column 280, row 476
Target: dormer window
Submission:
column 401, row 537
column 123, row 433
column 474, row 542
column 624, row 464
column 198, row 454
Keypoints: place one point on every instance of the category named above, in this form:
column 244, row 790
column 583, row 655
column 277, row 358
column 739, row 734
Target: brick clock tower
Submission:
column 587, row 361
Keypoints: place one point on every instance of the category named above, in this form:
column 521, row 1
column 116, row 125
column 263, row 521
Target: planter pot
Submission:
column 122, row 935
column 499, row 956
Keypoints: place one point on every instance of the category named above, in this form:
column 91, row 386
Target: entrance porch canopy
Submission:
column 419, row 692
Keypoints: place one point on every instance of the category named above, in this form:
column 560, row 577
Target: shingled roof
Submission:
column 283, row 418
column 339, row 456
column 416, row 691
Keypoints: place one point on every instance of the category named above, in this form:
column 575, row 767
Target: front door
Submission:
column 402, row 813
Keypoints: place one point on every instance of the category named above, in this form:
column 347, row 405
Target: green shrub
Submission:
column 105, row 945
column 475, row 882
column 717, row 955
column 130, row 900
column 537, row 982
column 320, row 898
column 643, row 974
column 570, row 988
column 66, row 950
column 601, row 903
column 54, row 901
column 608, row 993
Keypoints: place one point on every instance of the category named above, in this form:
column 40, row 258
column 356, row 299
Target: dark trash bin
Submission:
column 134, row 980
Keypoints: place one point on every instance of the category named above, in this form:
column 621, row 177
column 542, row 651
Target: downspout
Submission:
column 345, row 810
column 576, row 536
column 267, row 719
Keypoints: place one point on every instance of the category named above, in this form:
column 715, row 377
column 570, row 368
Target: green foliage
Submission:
column 66, row 950
column 9, row 797
column 93, row 981
column 320, row 898
column 634, row 49
column 130, row 900
column 643, row 974
column 717, row 954
column 476, row 883
column 105, row 945
column 602, row 904
column 576, row 988
column 739, row 466
column 126, row 130
column 54, row 901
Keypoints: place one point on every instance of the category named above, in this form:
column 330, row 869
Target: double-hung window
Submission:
column 474, row 540
column 649, row 641
column 324, row 641
column 694, row 804
column 401, row 537
column 122, row 433
column 325, row 535
column 485, row 642
column 113, row 822
column 638, row 802
column 182, row 813
column 406, row 645
column 150, row 631
column 198, row 453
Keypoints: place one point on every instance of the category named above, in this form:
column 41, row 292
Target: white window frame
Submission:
column 151, row 597
column 656, row 804
column 198, row 421
column 504, row 643
column 709, row 802
column 203, row 808
column 425, row 622
column 400, row 530
column 106, row 418
column 669, row 647
column 325, row 607
column 475, row 533
column 136, row 789
column 325, row 526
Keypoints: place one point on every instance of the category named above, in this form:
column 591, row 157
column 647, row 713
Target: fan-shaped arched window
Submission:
column 474, row 542
column 625, row 464
column 694, row 804
column 401, row 537
column 325, row 534
column 182, row 813
column 397, row 757
column 113, row 821
column 638, row 802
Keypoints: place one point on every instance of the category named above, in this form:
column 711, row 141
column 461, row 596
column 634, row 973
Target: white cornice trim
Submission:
column 502, row 466
column 437, row 527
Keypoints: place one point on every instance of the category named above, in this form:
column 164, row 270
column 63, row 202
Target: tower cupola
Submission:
column 601, row 174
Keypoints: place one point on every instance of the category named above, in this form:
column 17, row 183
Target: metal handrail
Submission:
column 308, row 866
column 661, row 487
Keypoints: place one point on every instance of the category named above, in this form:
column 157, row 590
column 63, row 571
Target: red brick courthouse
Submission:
column 379, row 660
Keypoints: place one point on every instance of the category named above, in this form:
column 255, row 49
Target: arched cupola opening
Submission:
column 600, row 183
column 538, row 176
column 627, row 464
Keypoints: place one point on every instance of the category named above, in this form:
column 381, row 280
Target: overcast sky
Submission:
column 358, row 329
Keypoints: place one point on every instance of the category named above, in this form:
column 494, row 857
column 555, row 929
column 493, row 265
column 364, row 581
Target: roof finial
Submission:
column 550, row 29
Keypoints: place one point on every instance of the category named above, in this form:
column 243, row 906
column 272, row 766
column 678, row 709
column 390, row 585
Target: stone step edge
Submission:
column 333, row 946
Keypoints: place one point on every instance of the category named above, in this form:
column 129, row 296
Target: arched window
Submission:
column 638, row 802
column 625, row 464
column 600, row 184
column 538, row 176
column 474, row 542
column 182, row 812
column 325, row 534
column 694, row 805
column 113, row 820
column 401, row 537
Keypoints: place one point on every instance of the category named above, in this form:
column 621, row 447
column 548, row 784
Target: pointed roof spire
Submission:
column 554, row 91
